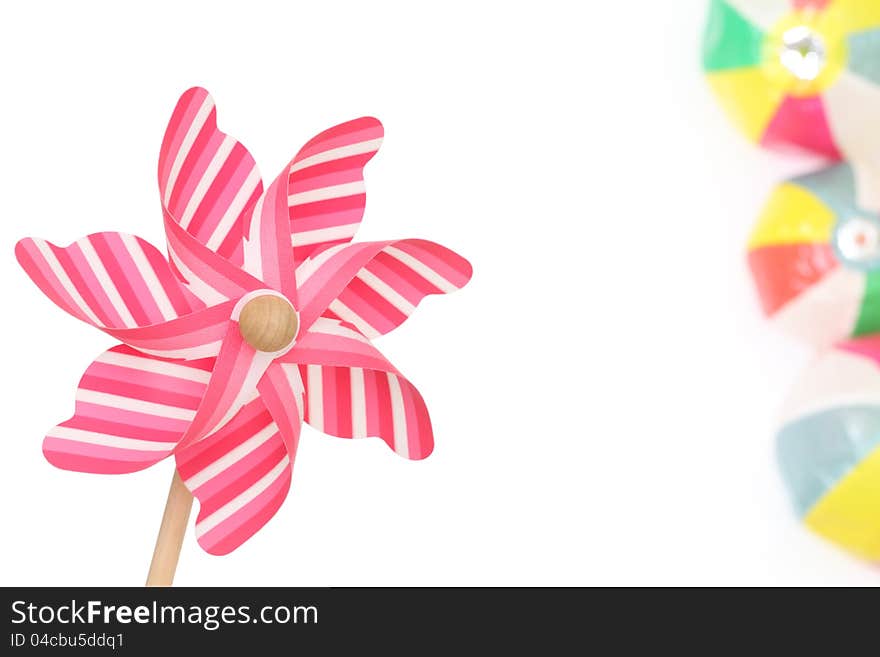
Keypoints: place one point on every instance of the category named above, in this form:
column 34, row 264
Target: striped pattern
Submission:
column 109, row 280
column 232, row 415
column 208, row 181
column 240, row 475
column 351, row 391
column 375, row 286
column 123, row 285
column 209, row 276
column 238, row 369
column 282, row 390
column 316, row 202
column 193, row 336
column 325, row 185
column 131, row 409
column 267, row 252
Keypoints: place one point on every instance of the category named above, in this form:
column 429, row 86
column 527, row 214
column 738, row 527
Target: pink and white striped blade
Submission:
column 375, row 286
column 316, row 202
column 267, row 252
column 209, row 276
column 109, row 280
column 233, row 383
column 208, row 181
column 197, row 335
column 325, row 185
column 131, row 410
column 282, row 390
column 240, row 475
column 352, row 391
column 124, row 286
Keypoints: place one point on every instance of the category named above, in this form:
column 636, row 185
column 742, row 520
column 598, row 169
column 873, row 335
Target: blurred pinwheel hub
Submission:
column 815, row 258
column 801, row 74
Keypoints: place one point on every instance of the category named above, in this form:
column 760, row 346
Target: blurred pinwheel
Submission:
column 815, row 258
column 805, row 74
column 261, row 319
column 829, row 446
column 801, row 73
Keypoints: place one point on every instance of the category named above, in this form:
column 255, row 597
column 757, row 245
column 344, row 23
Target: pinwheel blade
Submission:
column 352, row 391
column 240, row 474
column 208, row 181
column 326, row 193
column 109, row 280
column 375, row 286
column 131, row 411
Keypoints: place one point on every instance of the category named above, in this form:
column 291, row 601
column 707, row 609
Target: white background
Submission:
column 603, row 391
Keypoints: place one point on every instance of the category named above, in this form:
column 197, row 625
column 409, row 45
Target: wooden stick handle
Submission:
column 171, row 531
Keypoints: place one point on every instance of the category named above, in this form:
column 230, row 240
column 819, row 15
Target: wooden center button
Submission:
column 268, row 323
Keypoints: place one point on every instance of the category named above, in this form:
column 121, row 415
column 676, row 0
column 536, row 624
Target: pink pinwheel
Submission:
column 260, row 319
